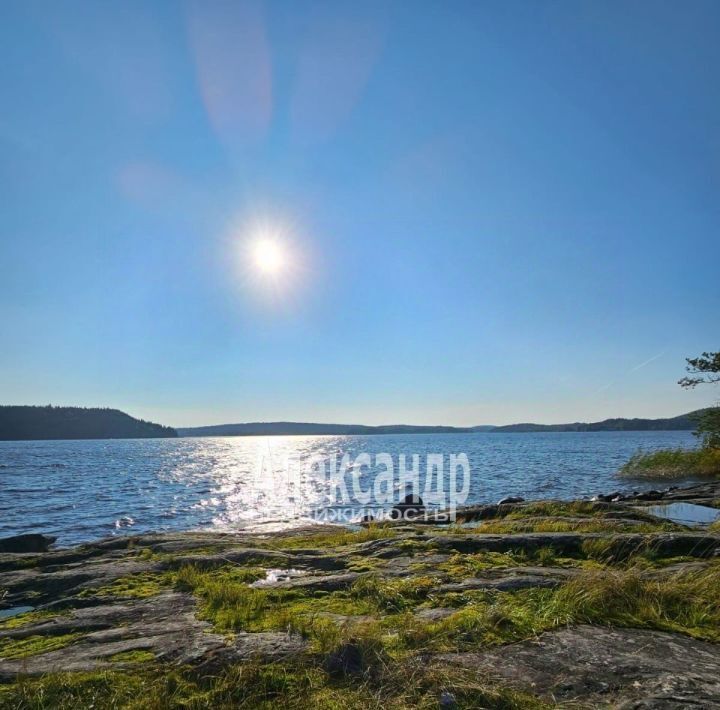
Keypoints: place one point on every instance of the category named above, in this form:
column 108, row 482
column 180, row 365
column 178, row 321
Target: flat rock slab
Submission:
column 597, row 667
column 165, row 625
column 512, row 583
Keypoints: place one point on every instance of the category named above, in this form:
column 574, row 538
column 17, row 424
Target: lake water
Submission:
column 84, row 490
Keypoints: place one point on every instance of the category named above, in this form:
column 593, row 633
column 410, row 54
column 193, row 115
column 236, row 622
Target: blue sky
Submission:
column 488, row 211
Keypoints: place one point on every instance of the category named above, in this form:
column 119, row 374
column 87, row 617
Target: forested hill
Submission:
column 307, row 428
column 680, row 423
column 683, row 422
column 20, row 422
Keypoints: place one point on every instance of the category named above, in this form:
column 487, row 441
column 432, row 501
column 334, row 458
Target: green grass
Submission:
column 556, row 509
column 673, row 463
column 230, row 604
column 137, row 656
column 393, row 595
column 333, row 539
column 684, row 602
column 591, row 525
column 294, row 686
column 14, row 649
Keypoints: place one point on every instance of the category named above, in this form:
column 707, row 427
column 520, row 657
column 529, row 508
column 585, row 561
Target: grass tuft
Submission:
column 673, row 463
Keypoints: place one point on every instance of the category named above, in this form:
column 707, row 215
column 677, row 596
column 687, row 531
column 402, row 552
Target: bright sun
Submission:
column 269, row 256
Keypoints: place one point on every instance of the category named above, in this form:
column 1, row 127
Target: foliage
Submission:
column 708, row 427
column 705, row 370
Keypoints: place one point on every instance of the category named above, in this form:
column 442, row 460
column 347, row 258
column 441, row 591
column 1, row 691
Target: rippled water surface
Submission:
column 83, row 490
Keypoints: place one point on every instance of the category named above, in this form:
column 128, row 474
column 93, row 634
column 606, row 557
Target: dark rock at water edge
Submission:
column 30, row 542
column 411, row 507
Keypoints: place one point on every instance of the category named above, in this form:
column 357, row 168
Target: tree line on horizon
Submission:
column 21, row 422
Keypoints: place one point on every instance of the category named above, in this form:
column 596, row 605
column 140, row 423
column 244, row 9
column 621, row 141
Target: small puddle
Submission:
column 274, row 576
column 685, row 513
column 14, row 611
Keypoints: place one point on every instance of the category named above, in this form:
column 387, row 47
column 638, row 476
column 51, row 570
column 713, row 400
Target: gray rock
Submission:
column 512, row 583
column 166, row 625
column 447, row 701
column 434, row 614
column 593, row 666
column 320, row 583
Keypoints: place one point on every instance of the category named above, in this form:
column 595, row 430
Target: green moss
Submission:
column 29, row 617
column 138, row 586
column 13, row 649
column 137, row 656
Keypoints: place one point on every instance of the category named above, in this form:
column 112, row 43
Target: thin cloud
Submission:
column 647, row 362
column 606, row 387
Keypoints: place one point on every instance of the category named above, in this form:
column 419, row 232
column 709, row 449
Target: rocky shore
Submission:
column 524, row 604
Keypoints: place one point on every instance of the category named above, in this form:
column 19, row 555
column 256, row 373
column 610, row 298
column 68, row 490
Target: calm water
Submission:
column 83, row 490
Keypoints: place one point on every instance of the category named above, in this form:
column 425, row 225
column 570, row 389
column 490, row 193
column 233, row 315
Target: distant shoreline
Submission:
column 28, row 423
column 684, row 422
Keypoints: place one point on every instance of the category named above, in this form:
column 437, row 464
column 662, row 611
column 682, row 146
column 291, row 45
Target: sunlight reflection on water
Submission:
column 82, row 490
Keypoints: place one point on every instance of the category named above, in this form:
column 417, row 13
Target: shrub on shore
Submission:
column 673, row 463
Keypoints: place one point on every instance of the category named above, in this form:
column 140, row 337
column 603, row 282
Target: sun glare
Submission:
column 269, row 256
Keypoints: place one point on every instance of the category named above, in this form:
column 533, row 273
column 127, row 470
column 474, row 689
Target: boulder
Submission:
column 511, row 499
column 30, row 542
